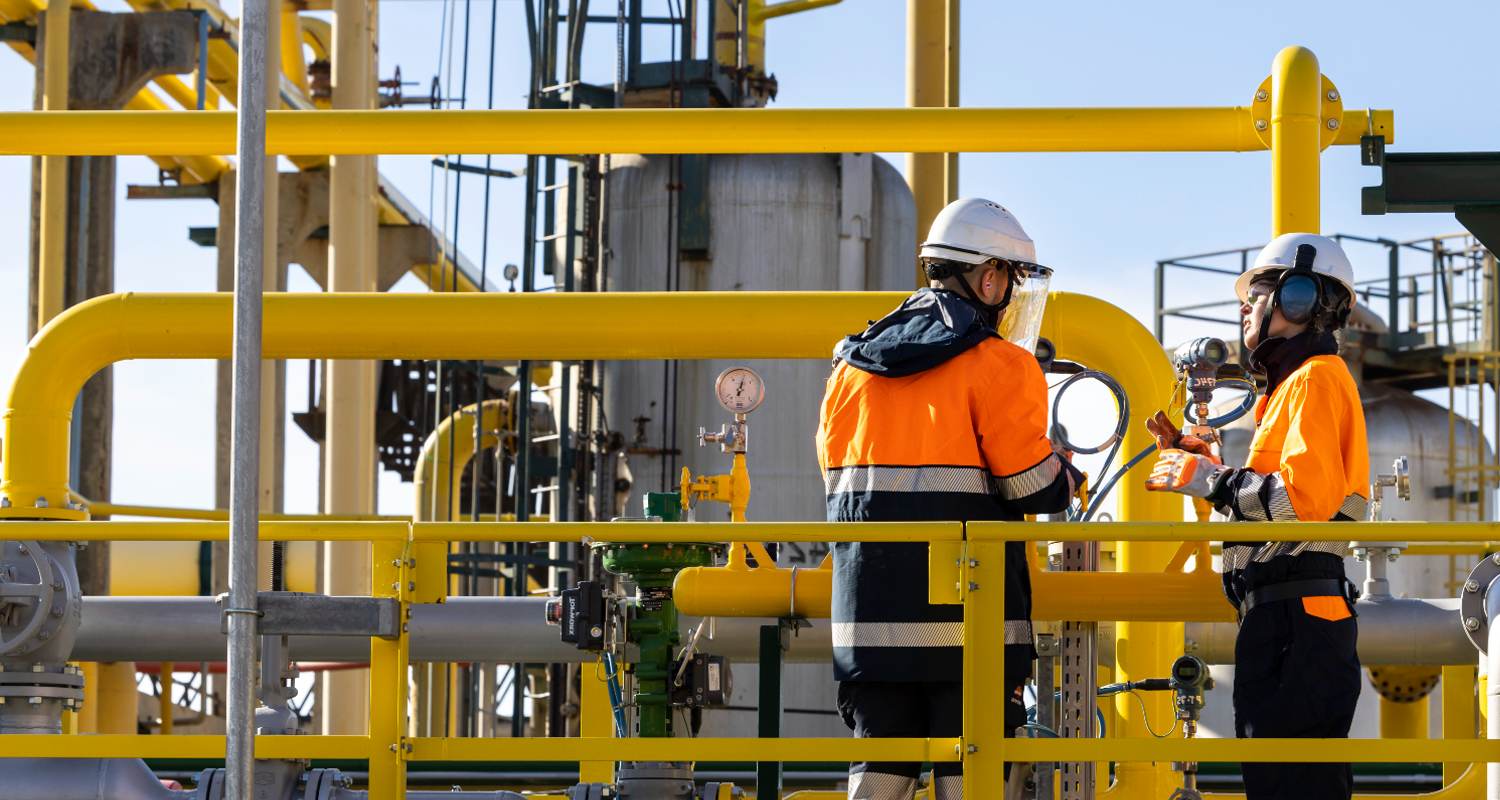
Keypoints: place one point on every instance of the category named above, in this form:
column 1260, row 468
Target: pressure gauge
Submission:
column 740, row 390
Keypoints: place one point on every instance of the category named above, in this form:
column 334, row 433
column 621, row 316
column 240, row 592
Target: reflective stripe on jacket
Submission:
column 962, row 439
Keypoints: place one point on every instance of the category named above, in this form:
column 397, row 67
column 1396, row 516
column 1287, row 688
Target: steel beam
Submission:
column 659, row 131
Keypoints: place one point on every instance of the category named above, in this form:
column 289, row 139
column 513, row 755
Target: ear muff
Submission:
column 1298, row 291
column 1297, row 296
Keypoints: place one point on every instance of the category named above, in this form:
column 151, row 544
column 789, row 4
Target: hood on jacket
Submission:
column 929, row 328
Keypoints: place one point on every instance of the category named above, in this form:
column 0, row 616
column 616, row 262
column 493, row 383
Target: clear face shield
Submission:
column 1022, row 323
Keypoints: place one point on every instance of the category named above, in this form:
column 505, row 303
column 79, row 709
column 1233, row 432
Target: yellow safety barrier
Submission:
column 982, row 748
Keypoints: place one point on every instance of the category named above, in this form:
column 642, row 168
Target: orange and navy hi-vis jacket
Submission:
column 1309, row 461
column 929, row 415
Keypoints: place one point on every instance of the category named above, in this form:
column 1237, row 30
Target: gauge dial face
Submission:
column 740, row 390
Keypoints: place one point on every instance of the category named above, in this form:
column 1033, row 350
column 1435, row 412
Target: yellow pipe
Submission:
column 318, row 34
column 438, row 480
column 194, row 169
column 293, row 63
column 1099, row 335
column 762, row 12
column 103, row 330
column 1080, row 597
column 349, row 463
column 52, row 268
column 439, row 472
column 117, row 698
column 655, row 130
column 1459, row 719
column 507, row 531
column 1296, row 130
column 164, row 704
column 927, row 78
column 1403, row 720
column 1093, row 332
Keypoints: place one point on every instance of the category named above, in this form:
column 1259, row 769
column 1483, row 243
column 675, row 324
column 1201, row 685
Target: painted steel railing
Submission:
column 979, row 571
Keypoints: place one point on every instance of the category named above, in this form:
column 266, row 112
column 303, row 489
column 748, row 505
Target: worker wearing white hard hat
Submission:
column 1297, row 673
column 931, row 413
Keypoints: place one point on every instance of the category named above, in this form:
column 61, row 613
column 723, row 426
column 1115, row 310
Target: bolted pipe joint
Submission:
column 40, row 612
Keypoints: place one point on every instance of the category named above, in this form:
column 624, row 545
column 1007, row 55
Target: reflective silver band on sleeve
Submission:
column 1275, row 549
column 1018, row 631
column 861, row 480
column 948, row 787
column 1237, row 556
column 897, row 634
column 1354, row 509
column 1031, row 481
column 917, row 634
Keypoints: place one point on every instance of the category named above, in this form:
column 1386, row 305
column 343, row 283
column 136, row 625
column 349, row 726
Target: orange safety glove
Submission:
column 1170, row 437
column 1185, row 473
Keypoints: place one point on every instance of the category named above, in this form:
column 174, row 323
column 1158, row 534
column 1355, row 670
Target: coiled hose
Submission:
column 1060, row 436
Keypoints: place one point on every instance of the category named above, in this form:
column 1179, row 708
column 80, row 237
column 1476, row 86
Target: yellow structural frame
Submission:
column 649, row 130
column 90, row 336
column 983, row 749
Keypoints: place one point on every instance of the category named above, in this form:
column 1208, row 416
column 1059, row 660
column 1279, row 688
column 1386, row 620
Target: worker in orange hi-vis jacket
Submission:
column 931, row 415
column 1296, row 670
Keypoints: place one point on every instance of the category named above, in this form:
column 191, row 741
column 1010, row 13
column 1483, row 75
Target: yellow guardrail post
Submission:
column 596, row 719
column 983, row 590
column 390, row 576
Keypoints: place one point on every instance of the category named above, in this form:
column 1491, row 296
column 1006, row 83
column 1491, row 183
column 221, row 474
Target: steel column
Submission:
column 244, row 491
column 349, row 401
column 52, row 275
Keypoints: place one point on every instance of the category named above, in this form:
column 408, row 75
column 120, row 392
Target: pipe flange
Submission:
column 1471, row 601
column 1330, row 114
column 27, row 589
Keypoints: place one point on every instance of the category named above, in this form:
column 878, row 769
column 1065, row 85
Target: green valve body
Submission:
column 653, row 629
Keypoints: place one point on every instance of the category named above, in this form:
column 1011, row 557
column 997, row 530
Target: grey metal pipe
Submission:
column 82, row 779
column 244, row 442
column 1393, row 630
column 486, row 629
column 1491, row 663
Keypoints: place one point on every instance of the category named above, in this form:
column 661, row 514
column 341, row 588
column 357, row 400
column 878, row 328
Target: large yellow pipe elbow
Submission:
column 677, row 325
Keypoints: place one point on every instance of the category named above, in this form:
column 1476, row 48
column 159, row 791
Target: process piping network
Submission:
column 983, row 747
column 116, row 327
column 1289, row 104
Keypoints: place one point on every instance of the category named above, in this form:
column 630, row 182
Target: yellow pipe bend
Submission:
column 647, row 325
column 439, row 476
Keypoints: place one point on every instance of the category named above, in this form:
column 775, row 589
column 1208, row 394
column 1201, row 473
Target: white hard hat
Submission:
column 1330, row 261
column 974, row 231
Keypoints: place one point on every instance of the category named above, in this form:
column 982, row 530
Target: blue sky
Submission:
column 1101, row 220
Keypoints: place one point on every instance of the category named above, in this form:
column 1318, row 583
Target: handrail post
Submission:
column 983, row 590
column 390, row 576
